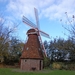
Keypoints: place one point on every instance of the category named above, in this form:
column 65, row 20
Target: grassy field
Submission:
column 11, row 71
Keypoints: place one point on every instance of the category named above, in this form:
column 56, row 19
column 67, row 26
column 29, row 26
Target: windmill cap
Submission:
column 31, row 31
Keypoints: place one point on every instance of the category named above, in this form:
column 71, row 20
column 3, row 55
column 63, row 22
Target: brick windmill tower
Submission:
column 32, row 55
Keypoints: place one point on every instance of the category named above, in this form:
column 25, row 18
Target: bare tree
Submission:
column 71, row 24
column 5, row 35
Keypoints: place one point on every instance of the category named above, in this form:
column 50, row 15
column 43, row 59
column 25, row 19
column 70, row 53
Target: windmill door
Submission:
column 40, row 64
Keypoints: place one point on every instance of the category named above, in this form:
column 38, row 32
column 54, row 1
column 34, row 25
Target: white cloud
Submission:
column 57, row 11
column 18, row 8
column 51, row 9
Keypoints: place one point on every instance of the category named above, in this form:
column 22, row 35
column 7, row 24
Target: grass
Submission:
column 11, row 71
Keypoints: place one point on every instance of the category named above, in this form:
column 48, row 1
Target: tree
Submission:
column 5, row 35
column 15, row 50
column 71, row 26
column 46, row 62
column 70, row 43
column 59, row 48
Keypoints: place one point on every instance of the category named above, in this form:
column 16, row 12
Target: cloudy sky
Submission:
column 50, row 12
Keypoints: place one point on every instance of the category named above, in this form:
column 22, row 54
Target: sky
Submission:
column 50, row 12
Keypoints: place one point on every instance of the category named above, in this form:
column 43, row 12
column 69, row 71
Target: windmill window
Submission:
column 27, row 48
column 39, row 49
column 25, row 60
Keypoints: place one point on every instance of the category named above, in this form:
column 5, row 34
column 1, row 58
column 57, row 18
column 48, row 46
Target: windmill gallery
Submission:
column 32, row 55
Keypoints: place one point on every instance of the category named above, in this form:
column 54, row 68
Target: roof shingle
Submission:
column 32, row 49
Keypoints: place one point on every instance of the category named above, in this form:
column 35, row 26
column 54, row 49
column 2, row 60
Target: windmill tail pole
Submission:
column 44, row 50
column 43, row 46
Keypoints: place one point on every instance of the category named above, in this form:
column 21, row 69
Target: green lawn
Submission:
column 9, row 71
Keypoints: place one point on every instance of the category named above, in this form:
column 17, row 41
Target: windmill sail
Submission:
column 44, row 34
column 28, row 22
column 36, row 16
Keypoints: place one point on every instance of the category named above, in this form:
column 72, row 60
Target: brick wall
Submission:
column 31, row 64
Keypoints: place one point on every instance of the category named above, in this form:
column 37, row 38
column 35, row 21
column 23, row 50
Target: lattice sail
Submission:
column 28, row 22
column 37, row 18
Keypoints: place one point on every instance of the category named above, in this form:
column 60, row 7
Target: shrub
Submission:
column 57, row 65
column 46, row 62
column 64, row 65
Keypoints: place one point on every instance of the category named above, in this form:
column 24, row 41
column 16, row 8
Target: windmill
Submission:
column 32, row 55
column 36, row 27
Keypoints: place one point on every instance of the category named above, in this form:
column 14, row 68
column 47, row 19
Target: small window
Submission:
column 25, row 60
column 27, row 48
column 39, row 49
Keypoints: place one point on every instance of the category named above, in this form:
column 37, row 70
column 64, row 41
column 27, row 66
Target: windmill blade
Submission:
column 37, row 18
column 28, row 22
column 44, row 34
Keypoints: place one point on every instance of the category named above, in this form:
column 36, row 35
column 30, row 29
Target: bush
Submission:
column 57, row 65
column 46, row 62
column 64, row 65
column 70, row 66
